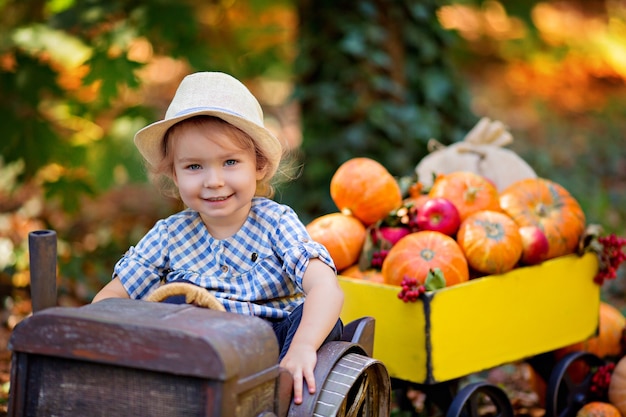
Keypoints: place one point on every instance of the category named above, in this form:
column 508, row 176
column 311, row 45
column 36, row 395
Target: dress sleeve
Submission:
column 296, row 247
column 142, row 266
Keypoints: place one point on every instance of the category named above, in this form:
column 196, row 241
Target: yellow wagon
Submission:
column 480, row 324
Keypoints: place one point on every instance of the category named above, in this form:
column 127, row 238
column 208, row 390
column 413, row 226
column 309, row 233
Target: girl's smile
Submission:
column 216, row 199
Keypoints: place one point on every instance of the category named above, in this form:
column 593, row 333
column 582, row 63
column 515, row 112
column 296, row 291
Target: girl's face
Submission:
column 215, row 177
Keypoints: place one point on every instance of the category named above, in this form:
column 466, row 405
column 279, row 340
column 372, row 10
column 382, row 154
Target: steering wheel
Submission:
column 193, row 294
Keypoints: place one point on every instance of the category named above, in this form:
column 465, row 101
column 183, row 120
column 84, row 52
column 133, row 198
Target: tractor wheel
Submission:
column 351, row 384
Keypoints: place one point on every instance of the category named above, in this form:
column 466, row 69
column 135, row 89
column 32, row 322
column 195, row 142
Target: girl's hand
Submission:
column 300, row 361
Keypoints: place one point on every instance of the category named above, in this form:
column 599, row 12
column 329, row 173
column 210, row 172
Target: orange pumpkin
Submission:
column 617, row 386
column 537, row 384
column 546, row 204
column 608, row 341
column 490, row 241
column 468, row 191
column 598, row 409
column 417, row 253
column 342, row 235
column 364, row 188
column 370, row 275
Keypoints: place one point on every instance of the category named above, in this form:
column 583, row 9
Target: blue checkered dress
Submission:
column 258, row 271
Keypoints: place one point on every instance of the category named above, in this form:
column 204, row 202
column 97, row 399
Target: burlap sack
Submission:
column 482, row 152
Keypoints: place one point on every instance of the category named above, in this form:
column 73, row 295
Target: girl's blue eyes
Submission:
column 229, row 162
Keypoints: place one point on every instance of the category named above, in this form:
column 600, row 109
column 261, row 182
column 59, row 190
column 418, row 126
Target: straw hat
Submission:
column 213, row 94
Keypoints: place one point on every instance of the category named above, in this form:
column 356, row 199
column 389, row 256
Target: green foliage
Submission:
column 45, row 118
column 49, row 40
column 373, row 82
column 20, row 99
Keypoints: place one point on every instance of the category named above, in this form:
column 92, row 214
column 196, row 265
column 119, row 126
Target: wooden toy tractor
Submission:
column 135, row 358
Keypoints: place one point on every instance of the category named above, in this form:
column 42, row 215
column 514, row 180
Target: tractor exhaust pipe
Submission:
column 42, row 248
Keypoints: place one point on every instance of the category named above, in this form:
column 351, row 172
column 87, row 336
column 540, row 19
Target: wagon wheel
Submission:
column 568, row 387
column 351, row 385
column 468, row 400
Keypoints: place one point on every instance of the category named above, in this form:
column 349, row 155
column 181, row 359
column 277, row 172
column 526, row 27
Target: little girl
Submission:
column 252, row 253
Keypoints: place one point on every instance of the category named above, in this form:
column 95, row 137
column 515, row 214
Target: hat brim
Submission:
column 149, row 139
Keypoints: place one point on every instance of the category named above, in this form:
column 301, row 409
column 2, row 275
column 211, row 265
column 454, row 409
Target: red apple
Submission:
column 440, row 215
column 389, row 233
column 535, row 245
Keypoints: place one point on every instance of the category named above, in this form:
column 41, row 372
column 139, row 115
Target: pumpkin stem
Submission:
column 470, row 194
column 541, row 210
column 427, row 254
column 492, row 230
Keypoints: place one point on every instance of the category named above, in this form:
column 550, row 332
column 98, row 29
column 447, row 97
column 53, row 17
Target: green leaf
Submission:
column 69, row 190
column 61, row 46
column 435, row 280
column 365, row 260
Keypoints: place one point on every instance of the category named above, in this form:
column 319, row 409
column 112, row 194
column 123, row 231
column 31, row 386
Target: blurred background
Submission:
column 337, row 79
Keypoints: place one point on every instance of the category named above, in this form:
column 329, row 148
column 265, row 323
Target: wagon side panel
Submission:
column 400, row 327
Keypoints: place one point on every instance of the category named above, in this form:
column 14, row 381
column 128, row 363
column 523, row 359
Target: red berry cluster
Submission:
column 600, row 380
column 411, row 290
column 378, row 257
column 611, row 257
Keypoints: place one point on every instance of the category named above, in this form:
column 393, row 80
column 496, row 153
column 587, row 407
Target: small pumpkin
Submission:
column 537, row 384
column 364, row 188
column 342, row 235
column 490, row 241
column 369, row 275
column 598, row 409
column 417, row 253
column 617, row 386
column 468, row 191
column 546, row 204
column 608, row 341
